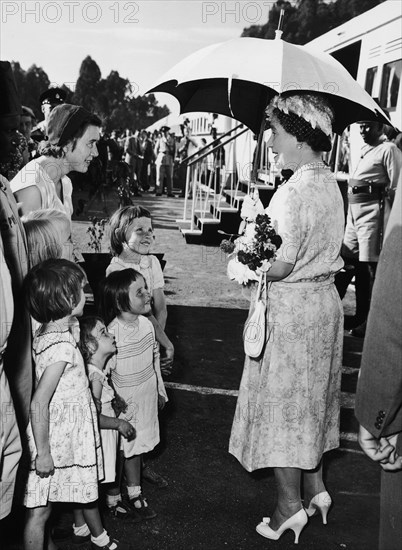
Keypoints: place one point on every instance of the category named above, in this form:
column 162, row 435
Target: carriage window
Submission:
column 391, row 79
column 371, row 77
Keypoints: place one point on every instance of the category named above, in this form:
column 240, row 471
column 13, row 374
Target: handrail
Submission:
column 209, row 144
column 218, row 146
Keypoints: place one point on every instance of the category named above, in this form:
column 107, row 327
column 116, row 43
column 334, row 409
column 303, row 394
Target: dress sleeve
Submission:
column 285, row 213
column 95, row 375
column 56, row 347
column 157, row 275
column 114, row 265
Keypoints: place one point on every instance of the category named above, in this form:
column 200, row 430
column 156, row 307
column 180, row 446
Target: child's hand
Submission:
column 119, row 405
column 126, row 429
column 44, row 465
column 161, row 401
column 166, row 362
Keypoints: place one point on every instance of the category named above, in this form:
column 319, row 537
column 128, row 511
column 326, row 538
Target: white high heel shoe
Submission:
column 321, row 502
column 296, row 523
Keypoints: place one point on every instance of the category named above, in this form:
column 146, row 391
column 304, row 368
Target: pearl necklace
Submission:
column 309, row 166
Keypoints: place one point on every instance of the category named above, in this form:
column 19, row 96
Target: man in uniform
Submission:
column 371, row 191
column 48, row 99
column 164, row 154
column 133, row 157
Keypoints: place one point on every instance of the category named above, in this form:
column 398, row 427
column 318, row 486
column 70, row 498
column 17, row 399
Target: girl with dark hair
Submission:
column 136, row 375
column 287, row 413
column 63, row 437
column 97, row 345
column 72, row 134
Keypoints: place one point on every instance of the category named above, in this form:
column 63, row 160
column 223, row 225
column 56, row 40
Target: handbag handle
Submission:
column 258, row 295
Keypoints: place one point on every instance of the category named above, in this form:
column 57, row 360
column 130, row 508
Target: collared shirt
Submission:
column 380, row 164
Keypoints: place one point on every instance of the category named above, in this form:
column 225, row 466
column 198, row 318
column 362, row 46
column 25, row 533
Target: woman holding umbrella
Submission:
column 287, row 413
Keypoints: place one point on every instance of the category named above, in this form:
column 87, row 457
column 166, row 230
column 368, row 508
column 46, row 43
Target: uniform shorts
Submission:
column 362, row 234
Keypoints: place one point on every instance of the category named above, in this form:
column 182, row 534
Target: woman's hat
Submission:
column 313, row 108
column 64, row 122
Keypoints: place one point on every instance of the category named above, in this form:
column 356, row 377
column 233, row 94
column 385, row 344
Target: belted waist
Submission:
column 356, row 187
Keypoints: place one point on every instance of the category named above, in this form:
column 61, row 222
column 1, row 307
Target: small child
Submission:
column 63, row 436
column 136, row 376
column 97, row 346
column 38, row 224
column 131, row 237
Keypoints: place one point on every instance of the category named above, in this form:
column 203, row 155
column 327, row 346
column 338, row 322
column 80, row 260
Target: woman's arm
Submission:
column 39, row 415
column 29, row 198
column 159, row 307
column 279, row 270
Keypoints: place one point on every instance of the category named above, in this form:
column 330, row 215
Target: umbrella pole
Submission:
column 256, row 159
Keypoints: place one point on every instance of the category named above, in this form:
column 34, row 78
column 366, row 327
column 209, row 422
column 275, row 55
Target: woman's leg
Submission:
column 289, row 497
column 313, row 483
column 35, row 522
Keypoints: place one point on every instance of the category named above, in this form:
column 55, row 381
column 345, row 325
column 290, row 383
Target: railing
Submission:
column 207, row 175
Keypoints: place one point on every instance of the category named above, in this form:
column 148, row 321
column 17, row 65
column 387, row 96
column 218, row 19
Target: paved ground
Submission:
column 211, row 502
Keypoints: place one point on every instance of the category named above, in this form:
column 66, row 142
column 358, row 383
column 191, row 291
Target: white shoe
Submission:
column 321, row 502
column 296, row 523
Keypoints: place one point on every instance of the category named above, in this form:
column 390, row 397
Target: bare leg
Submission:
column 93, row 519
column 132, row 470
column 289, row 497
column 35, row 523
column 79, row 519
column 115, row 488
column 312, row 483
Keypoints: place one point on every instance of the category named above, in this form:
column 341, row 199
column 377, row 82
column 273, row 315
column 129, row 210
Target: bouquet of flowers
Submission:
column 254, row 252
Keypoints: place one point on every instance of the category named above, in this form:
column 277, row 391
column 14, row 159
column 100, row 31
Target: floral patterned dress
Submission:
column 73, row 428
column 288, row 408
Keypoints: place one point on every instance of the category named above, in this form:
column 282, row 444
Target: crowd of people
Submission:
column 86, row 390
column 146, row 161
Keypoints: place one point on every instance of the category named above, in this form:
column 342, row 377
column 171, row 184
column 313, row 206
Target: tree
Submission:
column 87, row 88
column 30, row 84
column 308, row 19
column 111, row 98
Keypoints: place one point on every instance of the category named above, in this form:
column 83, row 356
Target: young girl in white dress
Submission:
column 97, row 346
column 131, row 237
column 136, row 375
column 63, row 437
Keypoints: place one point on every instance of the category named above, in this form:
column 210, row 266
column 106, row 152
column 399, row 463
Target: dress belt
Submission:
column 304, row 284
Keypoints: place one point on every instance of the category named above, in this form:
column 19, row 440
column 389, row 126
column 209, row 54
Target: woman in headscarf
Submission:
column 72, row 135
column 287, row 413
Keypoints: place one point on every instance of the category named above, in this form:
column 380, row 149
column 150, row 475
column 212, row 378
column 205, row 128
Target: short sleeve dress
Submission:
column 137, row 378
column 109, row 438
column 288, row 408
column 74, row 438
column 33, row 174
column 149, row 267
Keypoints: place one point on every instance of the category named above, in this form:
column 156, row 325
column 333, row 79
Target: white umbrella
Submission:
column 238, row 78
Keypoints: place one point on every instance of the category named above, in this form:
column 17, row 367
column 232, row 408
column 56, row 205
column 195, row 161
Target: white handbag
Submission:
column 254, row 329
